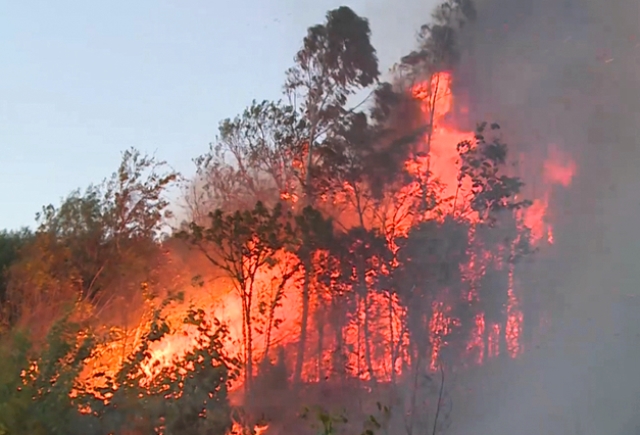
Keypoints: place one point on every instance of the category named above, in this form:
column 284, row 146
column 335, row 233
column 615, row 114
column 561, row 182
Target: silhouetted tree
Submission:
column 255, row 158
column 336, row 61
column 243, row 244
column 494, row 198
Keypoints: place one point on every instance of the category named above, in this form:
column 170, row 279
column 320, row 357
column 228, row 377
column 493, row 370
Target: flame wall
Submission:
column 381, row 311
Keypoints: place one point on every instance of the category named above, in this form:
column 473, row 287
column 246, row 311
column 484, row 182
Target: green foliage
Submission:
column 11, row 242
column 40, row 391
column 333, row 423
column 35, row 387
column 260, row 154
column 336, row 61
column 432, row 252
column 312, row 231
column 327, row 423
column 241, row 245
column 361, row 251
column 429, row 264
column 129, row 205
column 190, row 397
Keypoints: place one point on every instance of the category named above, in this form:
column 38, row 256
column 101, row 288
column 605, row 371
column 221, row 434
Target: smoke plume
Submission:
column 564, row 75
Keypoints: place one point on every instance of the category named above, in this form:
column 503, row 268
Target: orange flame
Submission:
column 437, row 163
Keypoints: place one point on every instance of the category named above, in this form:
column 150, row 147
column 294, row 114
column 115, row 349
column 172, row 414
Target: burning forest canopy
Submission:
column 331, row 255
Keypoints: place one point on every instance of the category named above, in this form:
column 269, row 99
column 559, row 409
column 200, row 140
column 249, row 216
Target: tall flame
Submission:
column 437, row 159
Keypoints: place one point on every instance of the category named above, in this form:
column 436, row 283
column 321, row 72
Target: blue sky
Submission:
column 82, row 81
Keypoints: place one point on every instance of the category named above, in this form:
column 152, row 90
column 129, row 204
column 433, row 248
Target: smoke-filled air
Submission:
column 446, row 246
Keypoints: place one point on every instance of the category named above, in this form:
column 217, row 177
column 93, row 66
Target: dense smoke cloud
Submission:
column 563, row 72
column 567, row 73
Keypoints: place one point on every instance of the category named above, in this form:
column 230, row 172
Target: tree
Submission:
column 255, row 158
column 483, row 163
column 336, row 60
column 313, row 233
column 438, row 42
column 242, row 245
column 260, row 154
column 97, row 242
column 364, row 255
column 430, row 260
column 494, row 199
column 11, row 243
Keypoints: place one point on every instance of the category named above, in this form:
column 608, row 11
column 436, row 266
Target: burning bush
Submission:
column 46, row 390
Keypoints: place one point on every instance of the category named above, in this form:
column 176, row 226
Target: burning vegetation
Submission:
column 326, row 249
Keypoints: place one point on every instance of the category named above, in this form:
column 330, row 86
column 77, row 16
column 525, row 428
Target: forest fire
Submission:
column 383, row 313
column 331, row 249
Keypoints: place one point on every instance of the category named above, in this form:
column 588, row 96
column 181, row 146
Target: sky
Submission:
column 80, row 81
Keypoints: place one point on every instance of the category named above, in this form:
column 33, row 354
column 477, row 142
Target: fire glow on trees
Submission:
column 375, row 334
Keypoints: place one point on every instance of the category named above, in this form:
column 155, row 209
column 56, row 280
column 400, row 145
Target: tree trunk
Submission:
column 267, row 344
column 304, row 324
column 392, row 343
column 485, row 340
column 338, row 318
column 320, row 348
column 367, row 340
column 504, row 345
column 249, row 341
column 272, row 315
column 363, row 290
column 308, row 200
column 249, row 361
column 245, row 346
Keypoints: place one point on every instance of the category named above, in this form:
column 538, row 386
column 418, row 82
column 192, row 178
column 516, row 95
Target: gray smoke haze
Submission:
column 567, row 72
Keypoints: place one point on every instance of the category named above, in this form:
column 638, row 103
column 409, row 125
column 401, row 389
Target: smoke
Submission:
column 566, row 73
